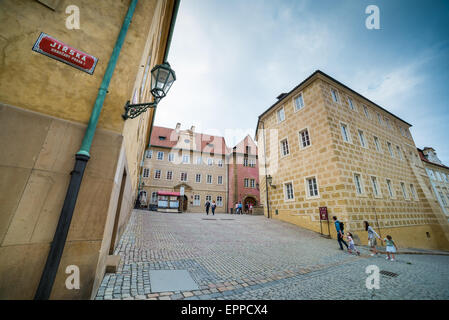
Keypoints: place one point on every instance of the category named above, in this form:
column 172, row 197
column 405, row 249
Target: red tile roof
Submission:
column 423, row 158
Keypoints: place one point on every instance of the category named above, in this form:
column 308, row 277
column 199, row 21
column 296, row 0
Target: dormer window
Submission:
column 162, row 138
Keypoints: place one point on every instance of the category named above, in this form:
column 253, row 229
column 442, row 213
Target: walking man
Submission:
column 240, row 207
column 207, row 205
column 339, row 227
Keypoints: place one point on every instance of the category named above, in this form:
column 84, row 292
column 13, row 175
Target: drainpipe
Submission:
column 266, row 182
column 82, row 157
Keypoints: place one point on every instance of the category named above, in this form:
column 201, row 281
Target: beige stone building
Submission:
column 45, row 106
column 438, row 175
column 184, row 158
column 324, row 145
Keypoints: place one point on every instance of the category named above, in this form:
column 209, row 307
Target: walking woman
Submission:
column 214, row 205
column 372, row 235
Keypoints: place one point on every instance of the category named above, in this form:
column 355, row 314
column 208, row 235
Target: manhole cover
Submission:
column 388, row 273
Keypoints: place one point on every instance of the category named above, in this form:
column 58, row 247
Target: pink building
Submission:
column 243, row 174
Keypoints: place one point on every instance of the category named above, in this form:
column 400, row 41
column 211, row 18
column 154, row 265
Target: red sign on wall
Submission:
column 58, row 50
column 323, row 213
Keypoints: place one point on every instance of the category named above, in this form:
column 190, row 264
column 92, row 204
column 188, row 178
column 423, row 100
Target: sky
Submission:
column 233, row 58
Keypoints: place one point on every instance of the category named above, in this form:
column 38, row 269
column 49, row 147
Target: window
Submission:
column 198, row 178
column 219, row 201
column 246, row 182
column 334, row 95
column 146, row 172
column 379, row 118
column 220, row 179
column 344, row 132
column 443, row 199
column 154, row 197
column 445, row 177
column 169, row 175
column 157, row 174
column 388, row 123
column 390, row 150
column 183, row 176
column 209, row 179
column 413, row 191
column 185, row 159
column 247, row 149
column 162, row 138
column 284, row 148
column 220, row 163
column 404, row 192
column 252, row 163
column 196, row 200
column 160, row 155
column 245, row 161
column 281, row 115
column 390, row 188
column 210, row 162
column 288, row 190
column 209, row 198
column 304, row 138
column 149, row 154
column 377, row 144
column 362, row 139
column 199, row 160
column 312, row 187
column 171, row 157
column 398, row 150
column 375, row 186
column 351, row 104
column 253, row 183
column 402, row 131
column 365, row 110
column 438, row 176
column 299, row 102
column 431, row 174
column 358, row 183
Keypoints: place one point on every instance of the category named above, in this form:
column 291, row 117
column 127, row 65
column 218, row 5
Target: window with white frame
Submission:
column 252, row 183
column 219, row 201
column 404, row 191
column 209, row 179
column 304, row 138
column 160, row 155
column 390, row 149
column 365, row 110
column 375, row 186
column 154, row 197
column 299, row 102
column 252, row 163
column 210, row 162
column 445, row 177
column 171, row 157
column 169, row 175
column 199, row 160
column 146, row 172
column 198, row 178
column 379, row 118
column 442, row 198
column 247, row 149
column 157, row 174
column 312, row 187
column 288, row 191
column 351, row 104
column 185, row 159
column 358, row 183
column 334, row 95
column 438, row 176
column 284, row 147
column 413, row 191
column 220, row 179
column 149, row 154
column 431, row 174
column 402, row 131
column 220, row 163
column 183, row 176
column 362, row 139
column 344, row 132
column 246, row 183
column 398, row 150
column 390, row 188
column 281, row 114
column 387, row 121
column 377, row 144
column 197, row 200
column 245, row 161
column 209, row 198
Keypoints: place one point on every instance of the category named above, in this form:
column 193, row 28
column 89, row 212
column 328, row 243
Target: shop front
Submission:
column 169, row 201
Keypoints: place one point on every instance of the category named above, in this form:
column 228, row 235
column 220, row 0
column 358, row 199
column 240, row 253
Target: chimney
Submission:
column 281, row 96
column 192, row 128
column 178, row 127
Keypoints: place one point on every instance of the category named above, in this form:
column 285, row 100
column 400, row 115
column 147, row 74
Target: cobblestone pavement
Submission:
column 252, row 257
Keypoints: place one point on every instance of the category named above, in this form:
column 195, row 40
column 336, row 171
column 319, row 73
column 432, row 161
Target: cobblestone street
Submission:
column 251, row 257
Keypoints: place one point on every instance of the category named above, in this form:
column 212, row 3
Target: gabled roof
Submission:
column 283, row 96
column 424, row 158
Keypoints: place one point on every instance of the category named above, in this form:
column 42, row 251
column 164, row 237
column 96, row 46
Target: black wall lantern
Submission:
column 270, row 181
column 162, row 78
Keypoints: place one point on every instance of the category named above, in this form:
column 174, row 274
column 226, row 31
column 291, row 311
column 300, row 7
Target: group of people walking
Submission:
column 391, row 247
column 238, row 207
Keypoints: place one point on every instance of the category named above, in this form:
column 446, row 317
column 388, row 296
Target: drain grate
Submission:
column 388, row 273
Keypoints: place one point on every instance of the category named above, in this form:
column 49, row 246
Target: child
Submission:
column 391, row 247
column 351, row 243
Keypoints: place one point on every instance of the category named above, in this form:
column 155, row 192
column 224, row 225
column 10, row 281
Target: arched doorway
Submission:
column 247, row 202
column 185, row 202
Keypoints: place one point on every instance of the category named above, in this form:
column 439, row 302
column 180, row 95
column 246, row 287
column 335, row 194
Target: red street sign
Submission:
column 323, row 213
column 58, row 50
